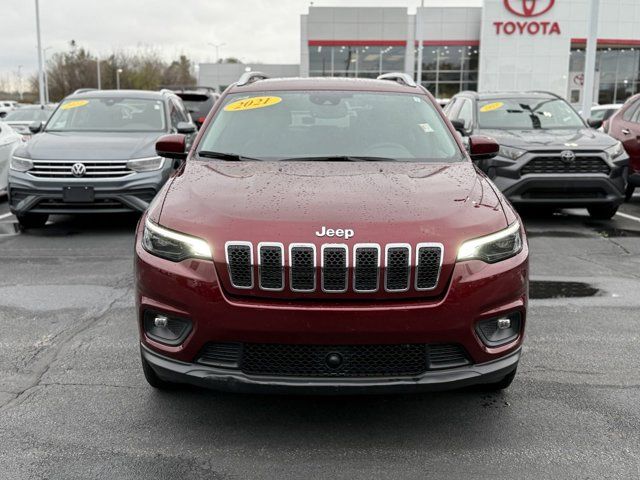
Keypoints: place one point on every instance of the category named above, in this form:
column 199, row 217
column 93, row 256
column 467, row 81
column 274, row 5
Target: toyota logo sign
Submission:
column 529, row 8
column 78, row 169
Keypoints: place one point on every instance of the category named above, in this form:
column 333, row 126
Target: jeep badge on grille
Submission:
column 346, row 233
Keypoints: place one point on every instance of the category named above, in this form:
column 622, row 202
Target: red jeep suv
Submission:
column 332, row 236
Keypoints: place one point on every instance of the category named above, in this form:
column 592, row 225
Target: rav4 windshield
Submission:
column 321, row 125
column 527, row 114
column 108, row 115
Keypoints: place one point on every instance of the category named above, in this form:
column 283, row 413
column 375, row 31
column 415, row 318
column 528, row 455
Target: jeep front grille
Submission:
column 94, row 169
column 371, row 269
column 554, row 164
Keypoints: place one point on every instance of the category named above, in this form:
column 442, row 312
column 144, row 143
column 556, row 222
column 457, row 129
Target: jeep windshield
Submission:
column 329, row 126
column 108, row 115
column 527, row 114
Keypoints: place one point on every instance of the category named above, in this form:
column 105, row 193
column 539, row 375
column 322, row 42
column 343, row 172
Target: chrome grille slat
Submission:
column 94, row 169
column 402, row 271
column 271, row 266
column 335, row 266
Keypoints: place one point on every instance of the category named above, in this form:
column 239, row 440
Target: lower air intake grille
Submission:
column 271, row 267
column 446, row 356
column 221, row 355
column 428, row 267
column 397, row 270
column 354, row 360
column 334, row 271
column 240, row 265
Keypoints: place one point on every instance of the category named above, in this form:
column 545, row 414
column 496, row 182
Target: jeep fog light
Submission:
column 165, row 328
column 499, row 330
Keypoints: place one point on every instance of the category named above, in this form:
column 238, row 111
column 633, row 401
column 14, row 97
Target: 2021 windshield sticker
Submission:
column 252, row 103
column 74, row 104
column 490, row 107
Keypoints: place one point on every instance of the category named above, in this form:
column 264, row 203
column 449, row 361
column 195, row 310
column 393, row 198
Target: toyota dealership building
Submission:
column 489, row 45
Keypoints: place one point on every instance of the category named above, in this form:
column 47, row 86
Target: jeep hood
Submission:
column 92, row 145
column 289, row 201
column 558, row 139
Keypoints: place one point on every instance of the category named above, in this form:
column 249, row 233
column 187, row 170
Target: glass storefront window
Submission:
column 366, row 61
column 449, row 69
column 618, row 71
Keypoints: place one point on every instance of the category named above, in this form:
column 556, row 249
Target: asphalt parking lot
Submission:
column 74, row 403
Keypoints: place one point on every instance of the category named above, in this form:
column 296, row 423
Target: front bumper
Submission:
column 558, row 189
column 221, row 379
column 29, row 194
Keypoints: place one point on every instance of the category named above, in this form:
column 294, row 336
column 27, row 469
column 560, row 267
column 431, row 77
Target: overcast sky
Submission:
column 253, row 30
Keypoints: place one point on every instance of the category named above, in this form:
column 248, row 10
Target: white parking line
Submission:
column 5, row 215
column 628, row 217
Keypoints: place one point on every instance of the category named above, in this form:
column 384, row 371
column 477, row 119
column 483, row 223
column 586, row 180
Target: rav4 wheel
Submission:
column 629, row 193
column 153, row 379
column 603, row 212
column 502, row 384
column 33, row 220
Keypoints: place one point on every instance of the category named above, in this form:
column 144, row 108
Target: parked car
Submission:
column 95, row 155
column 625, row 126
column 9, row 140
column 332, row 236
column 548, row 155
column 198, row 100
column 7, row 106
column 604, row 112
column 23, row 117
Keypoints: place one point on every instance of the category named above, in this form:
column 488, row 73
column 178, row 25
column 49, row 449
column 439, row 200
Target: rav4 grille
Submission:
column 368, row 269
column 555, row 164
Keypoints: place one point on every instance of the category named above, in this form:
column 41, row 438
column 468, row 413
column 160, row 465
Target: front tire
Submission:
column 32, row 220
column 603, row 212
column 153, row 379
column 629, row 193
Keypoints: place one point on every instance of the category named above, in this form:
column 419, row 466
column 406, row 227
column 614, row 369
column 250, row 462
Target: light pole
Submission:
column 590, row 59
column 20, row 81
column 40, row 69
column 217, row 47
column 418, row 34
column 98, row 67
column 118, row 72
column 46, row 75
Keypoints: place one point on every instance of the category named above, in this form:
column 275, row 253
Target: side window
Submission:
column 466, row 113
column 631, row 112
column 635, row 118
column 182, row 111
column 452, row 108
column 175, row 114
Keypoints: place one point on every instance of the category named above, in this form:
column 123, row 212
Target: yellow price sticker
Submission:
column 490, row 107
column 74, row 104
column 251, row 103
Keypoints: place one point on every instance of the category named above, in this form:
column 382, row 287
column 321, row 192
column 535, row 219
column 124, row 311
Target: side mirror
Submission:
column 459, row 126
column 594, row 123
column 482, row 148
column 172, row 146
column 35, row 127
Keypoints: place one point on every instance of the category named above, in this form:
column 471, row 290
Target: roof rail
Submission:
column 83, row 90
column 547, row 93
column 399, row 77
column 165, row 91
column 250, row 77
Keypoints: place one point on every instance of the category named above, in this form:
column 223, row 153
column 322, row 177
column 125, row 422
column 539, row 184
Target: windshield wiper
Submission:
column 340, row 158
column 230, row 157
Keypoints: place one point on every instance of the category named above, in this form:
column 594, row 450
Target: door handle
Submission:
column 626, row 131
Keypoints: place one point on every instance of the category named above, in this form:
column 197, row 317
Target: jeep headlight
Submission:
column 510, row 152
column 145, row 164
column 172, row 245
column 615, row 151
column 20, row 164
column 495, row 247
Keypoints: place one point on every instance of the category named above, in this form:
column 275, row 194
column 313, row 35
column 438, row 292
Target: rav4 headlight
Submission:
column 171, row 245
column 20, row 164
column 145, row 164
column 615, row 151
column 495, row 247
column 510, row 152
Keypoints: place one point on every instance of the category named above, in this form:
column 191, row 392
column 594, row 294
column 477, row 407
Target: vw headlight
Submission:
column 171, row 245
column 510, row 152
column 495, row 247
column 20, row 164
column 145, row 164
column 615, row 151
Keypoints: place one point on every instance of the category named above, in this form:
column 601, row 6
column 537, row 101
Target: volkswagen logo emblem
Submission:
column 568, row 156
column 529, row 8
column 78, row 170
